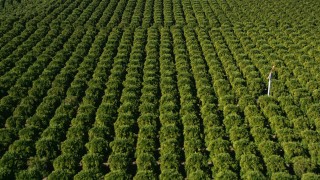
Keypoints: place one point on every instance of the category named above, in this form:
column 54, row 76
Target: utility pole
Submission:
column 269, row 77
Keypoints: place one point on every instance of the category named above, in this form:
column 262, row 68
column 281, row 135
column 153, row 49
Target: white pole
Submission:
column 269, row 85
column 269, row 77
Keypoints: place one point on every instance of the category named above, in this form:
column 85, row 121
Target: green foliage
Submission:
column 145, row 145
column 145, row 175
column 310, row 136
column 73, row 147
column 92, row 161
column 215, row 133
column 292, row 149
column 282, row 176
column 119, row 174
column 218, row 146
column 7, row 136
column 6, row 173
column 231, row 120
column 170, row 131
column 195, row 162
column 60, row 174
column 228, row 100
column 65, row 163
column 274, row 164
column 245, row 101
column 198, row 175
column 97, row 145
column 118, row 161
column 250, row 162
column 159, row 89
column 260, row 134
column 222, row 162
column 169, row 161
column 302, row 165
column 99, row 132
column 122, row 145
column 226, row 174
column 28, row 175
column 24, row 148
column 230, row 108
column 254, row 175
column 238, row 132
column 244, row 146
column 313, row 111
column 287, row 135
column 170, row 174
column 314, row 150
column 278, row 122
column 47, row 148
column 310, row 176
column 87, row 174
column 146, row 162
column 30, row 132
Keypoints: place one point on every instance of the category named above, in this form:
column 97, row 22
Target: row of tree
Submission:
column 123, row 144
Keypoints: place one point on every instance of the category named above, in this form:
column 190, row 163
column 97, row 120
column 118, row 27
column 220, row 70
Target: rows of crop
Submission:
column 299, row 95
column 196, row 160
column 5, row 3
column 254, row 84
column 224, row 164
column 107, row 111
column 281, row 118
column 72, row 148
column 23, row 49
column 9, row 78
column 20, row 18
column 86, row 14
column 25, row 82
column 18, row 153
column 230, row 11
column 66, row 111
column 294, row 153
column 137, row 16
column 239, row 11
column 159, row 89
column 127, row 13
column 147, row 143
column 19, row 91
column 220, row 14
column 190, row 18
column 106, row 13
column 292, row 148
column 25, row 108
column 199, row 13
column 168, row 15
column 302, row 66
column 277, row 12
column 158, row 12
column 116, row 15
column 210, row 14
column 97, row 143
column 121, row 157
column 299, row 107
column 148, row 13
column 170, row 125
column 178, row 13
column 71, row 14
column 234, row 132
column 243, row 147
column 20, row 44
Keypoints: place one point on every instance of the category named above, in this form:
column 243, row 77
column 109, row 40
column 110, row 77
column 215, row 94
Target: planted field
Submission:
column 159, row 89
